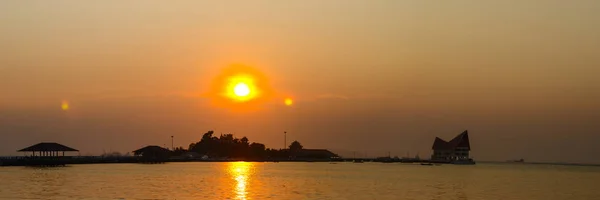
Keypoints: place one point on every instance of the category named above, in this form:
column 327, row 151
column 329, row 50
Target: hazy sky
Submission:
column 367, row 76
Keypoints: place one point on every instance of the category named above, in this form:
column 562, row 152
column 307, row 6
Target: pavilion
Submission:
column 153, row 152
column 456, row 149
column 48, row 150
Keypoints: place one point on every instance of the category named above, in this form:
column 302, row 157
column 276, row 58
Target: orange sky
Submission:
column 394, row 74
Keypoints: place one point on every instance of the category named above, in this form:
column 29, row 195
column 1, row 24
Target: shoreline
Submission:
column 26, row 161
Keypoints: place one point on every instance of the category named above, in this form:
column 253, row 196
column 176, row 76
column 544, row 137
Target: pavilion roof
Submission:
column 151, row 148
column 47, row 146
column 461, row 140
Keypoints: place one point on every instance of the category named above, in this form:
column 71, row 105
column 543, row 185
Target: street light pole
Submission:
column 172, row 147
column 284, row 139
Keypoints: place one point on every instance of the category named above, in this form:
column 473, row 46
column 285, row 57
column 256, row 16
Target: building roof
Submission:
column 461, row 140
column 48, row 146
column 438, row 143
column 152, row 148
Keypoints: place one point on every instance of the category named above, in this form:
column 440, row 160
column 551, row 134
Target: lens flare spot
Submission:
column 64, row 106
column 288, row 101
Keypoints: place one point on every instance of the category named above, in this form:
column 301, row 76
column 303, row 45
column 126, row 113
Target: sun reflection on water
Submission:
column 240, row 172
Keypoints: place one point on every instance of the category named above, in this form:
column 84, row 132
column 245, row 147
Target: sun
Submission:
column 241, row 90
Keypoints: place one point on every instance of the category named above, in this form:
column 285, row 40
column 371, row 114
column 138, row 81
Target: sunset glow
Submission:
column 371, row 78
column 240, row 87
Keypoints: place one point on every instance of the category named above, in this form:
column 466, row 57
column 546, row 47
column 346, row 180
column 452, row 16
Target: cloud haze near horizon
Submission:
column 367, row 76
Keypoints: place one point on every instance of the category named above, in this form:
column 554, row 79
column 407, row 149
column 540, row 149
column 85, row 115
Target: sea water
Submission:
column 248, row 180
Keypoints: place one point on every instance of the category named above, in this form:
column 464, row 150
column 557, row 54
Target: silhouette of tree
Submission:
column 244, row 140
column 295, row 146
column 178, row 151
column 228, row 146
column 205, row 145
column 257, row 150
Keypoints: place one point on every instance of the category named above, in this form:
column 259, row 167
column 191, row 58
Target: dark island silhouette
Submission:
column 225, row 148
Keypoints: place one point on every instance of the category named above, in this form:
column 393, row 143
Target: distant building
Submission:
column 47, row 154
column 314, row 154
column 48, row 149
column 153, row 153
column 456, row 149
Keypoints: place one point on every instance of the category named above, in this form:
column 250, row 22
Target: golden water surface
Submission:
column 247, row 180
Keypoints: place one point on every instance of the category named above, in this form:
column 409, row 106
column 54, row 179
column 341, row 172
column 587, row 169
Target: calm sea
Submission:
column 244, row 180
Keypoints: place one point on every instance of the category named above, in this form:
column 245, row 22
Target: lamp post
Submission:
column 284, row 139
column 172, row 147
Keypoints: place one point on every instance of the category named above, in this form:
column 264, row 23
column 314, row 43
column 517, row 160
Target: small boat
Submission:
column 517, row 161
column 358, row 161
column 427, row 164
